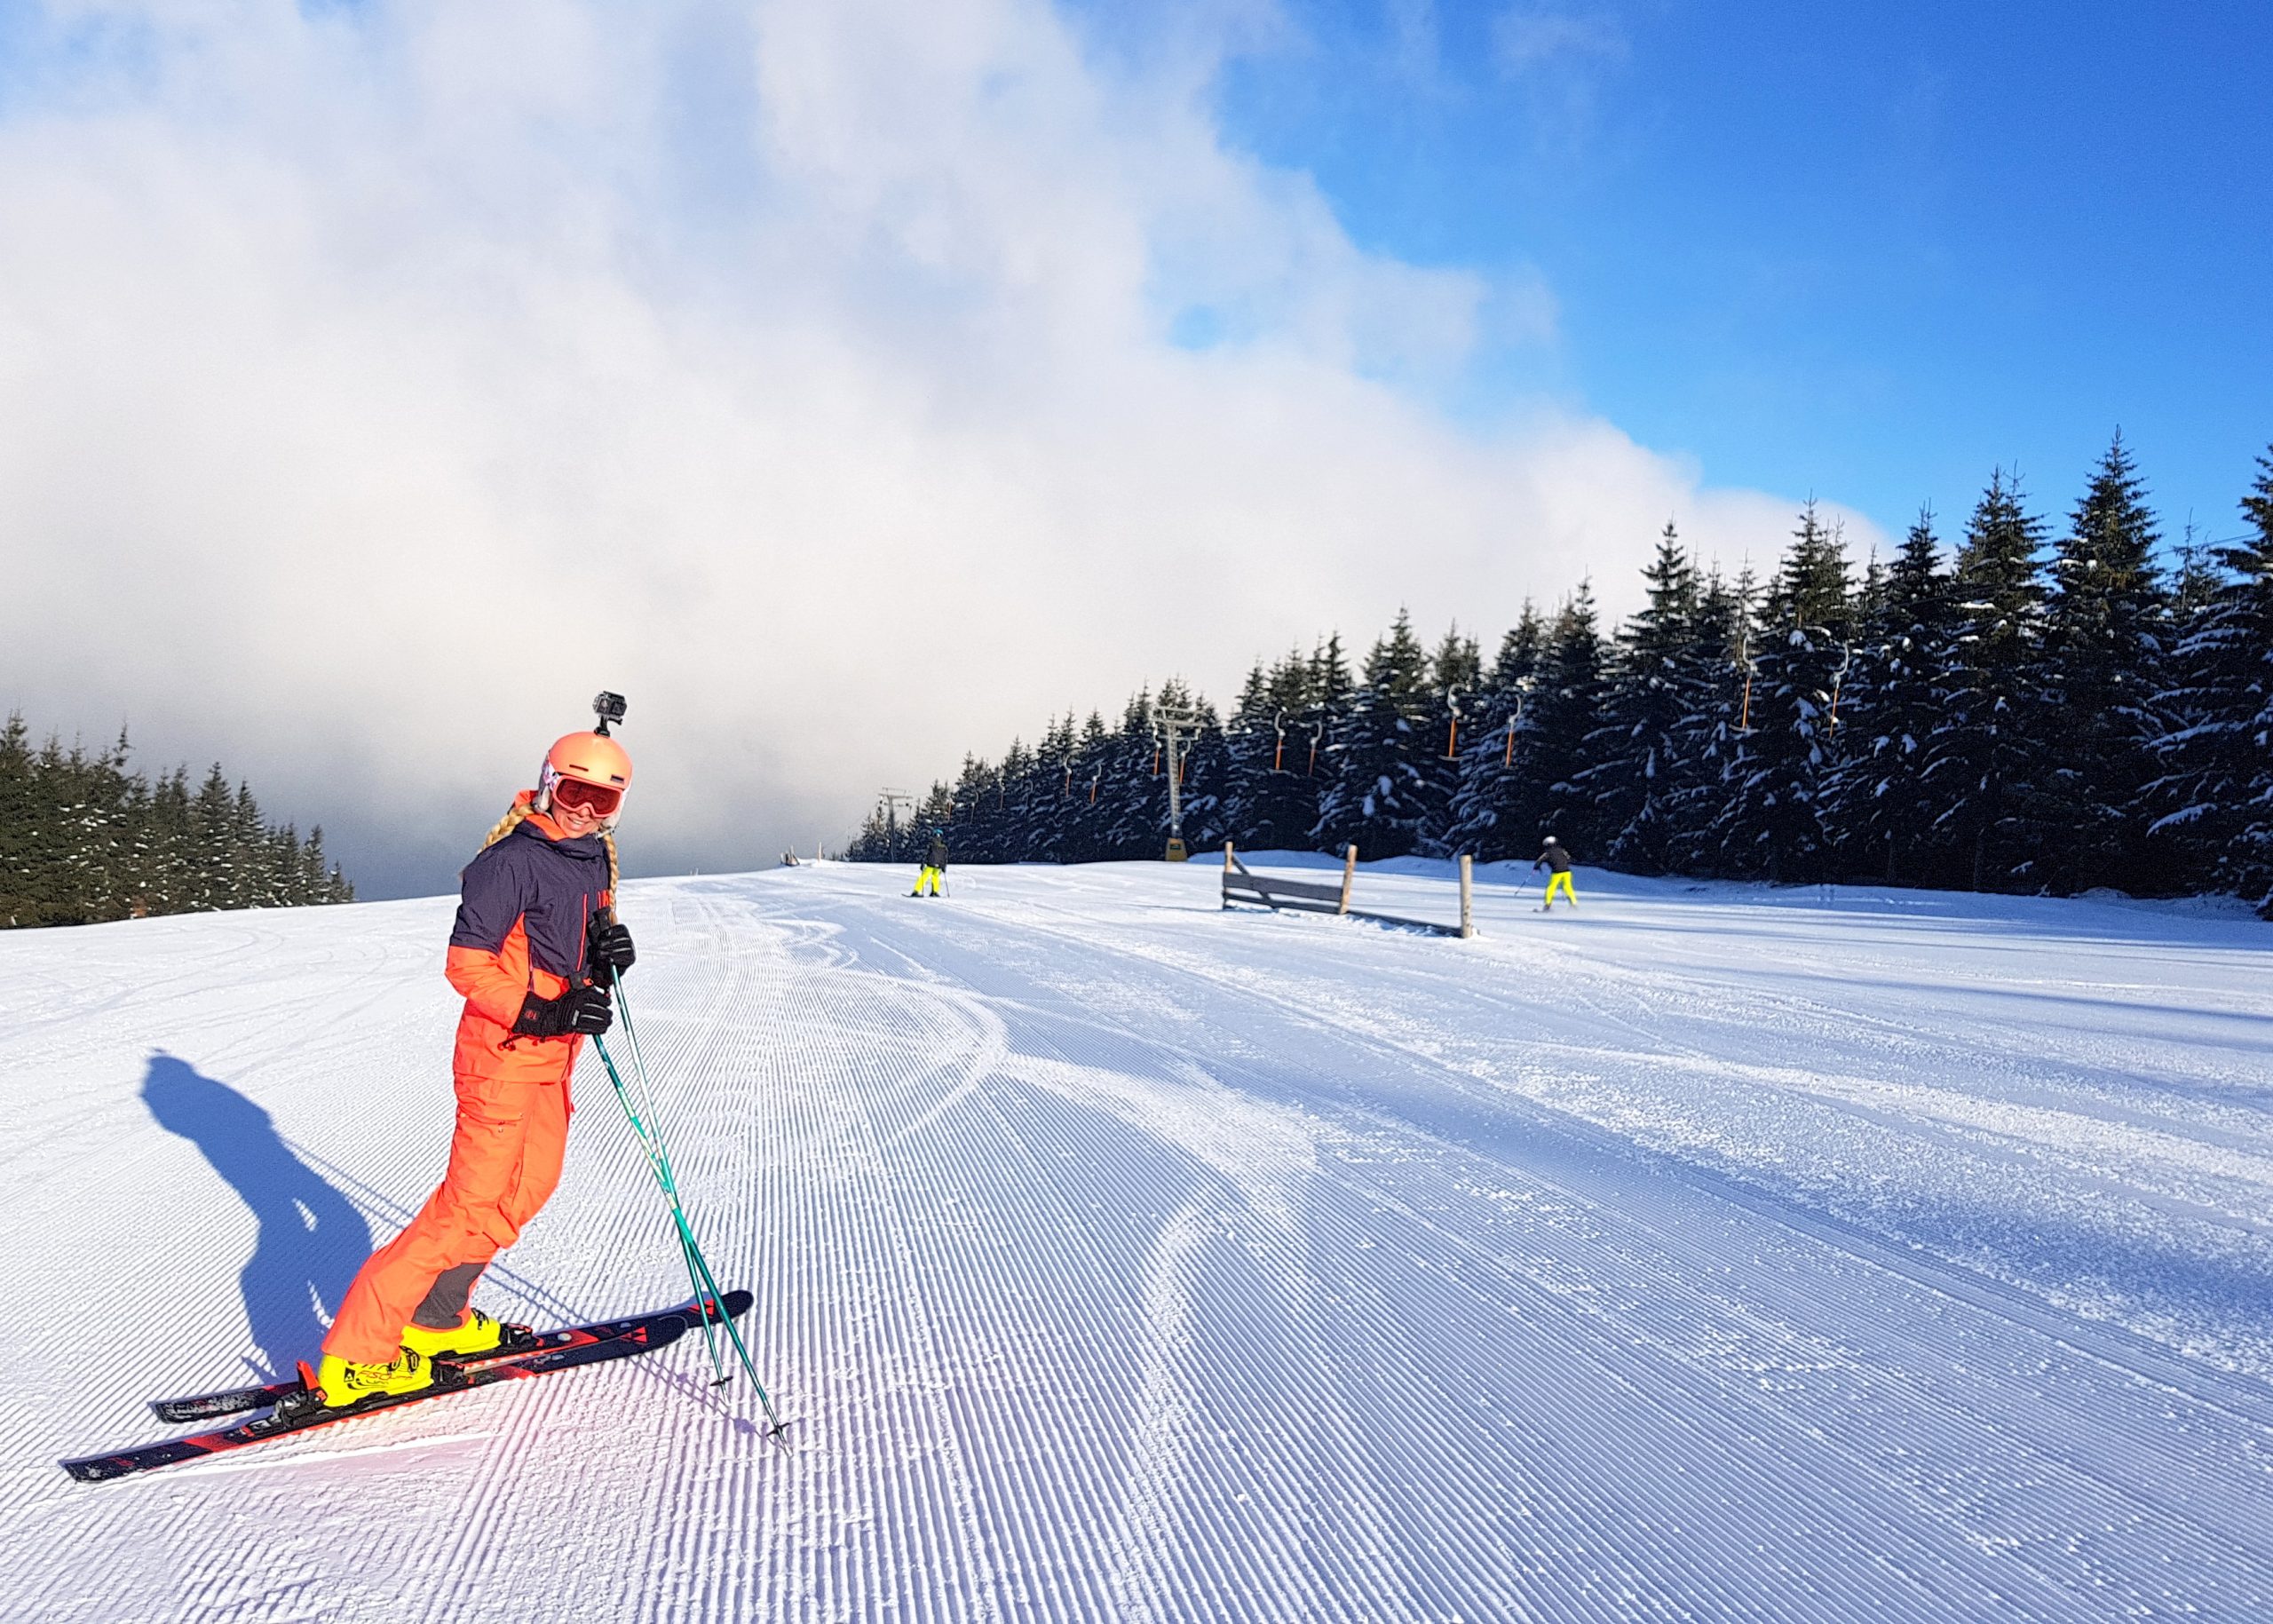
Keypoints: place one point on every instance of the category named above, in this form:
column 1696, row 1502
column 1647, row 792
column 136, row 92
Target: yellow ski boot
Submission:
column 342, row 1385
column 477, row 1333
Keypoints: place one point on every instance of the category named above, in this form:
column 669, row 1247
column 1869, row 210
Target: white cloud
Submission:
column 376, row 383
column 1528, row 37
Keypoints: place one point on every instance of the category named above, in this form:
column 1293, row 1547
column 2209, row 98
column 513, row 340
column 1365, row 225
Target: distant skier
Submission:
column 934, row 872
column 1557, row 861
column 535, row 924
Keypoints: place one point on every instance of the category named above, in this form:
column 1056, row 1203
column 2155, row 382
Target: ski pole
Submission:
column 705, row 1283
column 659, row 1166
column 647, row 1129
column 699, row 1264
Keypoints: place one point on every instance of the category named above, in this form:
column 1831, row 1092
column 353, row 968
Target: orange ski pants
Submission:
column 505, row 1157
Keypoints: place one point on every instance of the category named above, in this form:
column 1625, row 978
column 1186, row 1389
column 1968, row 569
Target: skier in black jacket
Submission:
column 934, row 872
column 1558, row 859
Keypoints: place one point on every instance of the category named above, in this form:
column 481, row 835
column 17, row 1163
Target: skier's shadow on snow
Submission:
column 311, row 1238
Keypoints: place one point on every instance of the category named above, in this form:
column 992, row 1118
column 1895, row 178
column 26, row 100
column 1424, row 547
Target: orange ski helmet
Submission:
column 588, row 758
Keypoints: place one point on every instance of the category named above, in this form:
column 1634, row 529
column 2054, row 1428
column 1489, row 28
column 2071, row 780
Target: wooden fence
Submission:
column 1243, row 884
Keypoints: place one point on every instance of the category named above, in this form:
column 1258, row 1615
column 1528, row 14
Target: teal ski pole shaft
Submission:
column 663, row 1172
column 693, row 1250
column 646, row 1126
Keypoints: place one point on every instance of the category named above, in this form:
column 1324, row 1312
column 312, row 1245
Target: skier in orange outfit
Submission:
column 535, row 925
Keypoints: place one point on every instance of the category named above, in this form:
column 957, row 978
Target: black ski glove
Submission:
column 608, row 947
column 579, row 1009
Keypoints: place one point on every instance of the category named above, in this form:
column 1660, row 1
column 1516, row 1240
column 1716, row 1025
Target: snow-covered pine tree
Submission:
column 869, row 843
column 1486, row 805
column 1085, row 839
column 2215, row 791
column 999, row 815
column 1878, row 799
column 84, row 837
column 323, row 882
column 213, row 819
column 1249, row 736
column 2105, row 626
column 1981, row 762
column 1045, row 797
column 1771, row 825
column 168, row 870
column 1135, row 789
column 1565, row 707
column 977, row 836
column 1332, row 693
column 1270, row 801
column 935, row 811
column 2194, row 578
column 1635, row 769
column 1707, row 736
column 1455, row 677
column 1379, row 795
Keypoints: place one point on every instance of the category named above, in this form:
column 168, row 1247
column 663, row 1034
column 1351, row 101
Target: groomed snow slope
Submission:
column 1713, row 1254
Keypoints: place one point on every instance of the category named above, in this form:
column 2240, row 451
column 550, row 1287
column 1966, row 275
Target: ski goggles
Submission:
column 598, row 799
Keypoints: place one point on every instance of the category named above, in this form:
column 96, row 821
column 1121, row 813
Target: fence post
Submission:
column 1467, row 896
column 1227, row 873
column 1349, row 876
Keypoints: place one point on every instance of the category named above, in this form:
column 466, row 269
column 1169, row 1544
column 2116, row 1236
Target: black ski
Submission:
column 302, row 1412
column 236, row 1400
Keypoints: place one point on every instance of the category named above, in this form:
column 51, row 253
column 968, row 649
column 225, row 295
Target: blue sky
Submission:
column 1869, row 251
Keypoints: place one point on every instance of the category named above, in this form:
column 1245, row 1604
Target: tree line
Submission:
column 84, row 837
column 2034, row 710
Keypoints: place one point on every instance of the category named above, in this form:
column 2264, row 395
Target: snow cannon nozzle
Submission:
column 609, row 707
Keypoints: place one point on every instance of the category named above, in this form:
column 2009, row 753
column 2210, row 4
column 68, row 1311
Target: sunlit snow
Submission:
column 1711, row 1253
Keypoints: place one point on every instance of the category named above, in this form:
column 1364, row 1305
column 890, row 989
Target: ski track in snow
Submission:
column 1709, row 1254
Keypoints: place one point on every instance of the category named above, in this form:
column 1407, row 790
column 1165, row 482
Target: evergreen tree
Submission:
column 1550, row 745
column 1486, row 816
column 1878, row 795
column 1043, row 799
column 1636, row 767
column 1771, row 824
column 1379, row 797
column 1980, row 760
column 2195, row 582
column 1270, row 802
column 2215, row 791
column 979, row 812
column 1990, row 725
column 1709, row 734
column 84, row 837
column 1135, row 790
column 2104, row 628
column 1084, row 834
column 1455, row 704
column 1333, row 691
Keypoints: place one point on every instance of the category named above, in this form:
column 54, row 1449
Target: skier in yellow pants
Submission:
column 1558, row 864
column 934, row 872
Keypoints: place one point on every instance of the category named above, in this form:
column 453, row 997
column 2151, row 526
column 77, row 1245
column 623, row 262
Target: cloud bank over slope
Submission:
column 851, row 384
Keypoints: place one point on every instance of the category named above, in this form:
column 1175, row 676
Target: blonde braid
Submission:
column 607, row 838
column 507, row 824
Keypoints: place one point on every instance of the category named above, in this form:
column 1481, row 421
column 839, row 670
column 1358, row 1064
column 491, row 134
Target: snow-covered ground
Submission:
column 1711, row 1254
